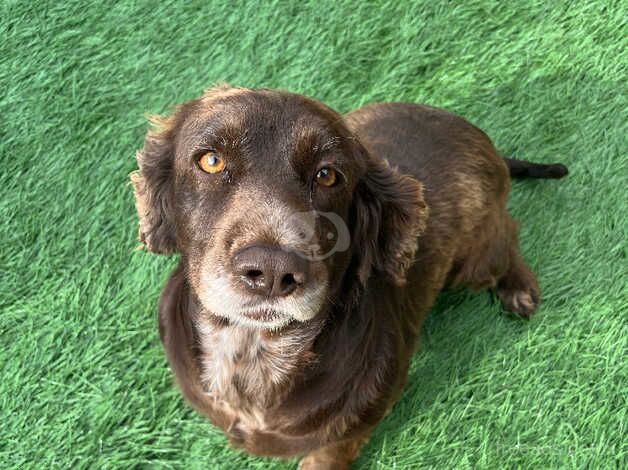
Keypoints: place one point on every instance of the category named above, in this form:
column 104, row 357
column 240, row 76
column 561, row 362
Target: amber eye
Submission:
column 326, row 177
column 211, row 163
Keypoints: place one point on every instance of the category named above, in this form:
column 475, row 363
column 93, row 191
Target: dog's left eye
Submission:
column 211, row 163
column 327, row 177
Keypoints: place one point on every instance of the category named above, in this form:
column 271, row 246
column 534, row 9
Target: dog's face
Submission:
column 272, row 203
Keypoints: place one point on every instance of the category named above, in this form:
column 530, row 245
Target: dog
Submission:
column 312, row 246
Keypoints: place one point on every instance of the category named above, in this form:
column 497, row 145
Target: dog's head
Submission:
column 272, row 203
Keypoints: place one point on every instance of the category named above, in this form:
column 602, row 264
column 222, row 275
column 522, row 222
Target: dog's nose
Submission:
column 270, row 271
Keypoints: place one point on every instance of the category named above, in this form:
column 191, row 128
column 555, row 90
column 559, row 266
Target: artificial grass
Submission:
column 84, row 381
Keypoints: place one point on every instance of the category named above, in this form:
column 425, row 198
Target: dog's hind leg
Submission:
column 518, row 288
column 337, row 456
column 493, row 261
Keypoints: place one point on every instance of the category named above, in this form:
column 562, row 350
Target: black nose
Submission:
column 270, row 271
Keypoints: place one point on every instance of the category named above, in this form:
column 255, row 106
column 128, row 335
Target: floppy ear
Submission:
column 154, row 181
column 390, row 214
column 153, row 185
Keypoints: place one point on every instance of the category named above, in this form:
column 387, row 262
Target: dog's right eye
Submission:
column 211, row 163
column 326, row 177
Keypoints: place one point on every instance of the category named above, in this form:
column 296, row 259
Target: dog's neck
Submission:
column 246, row 366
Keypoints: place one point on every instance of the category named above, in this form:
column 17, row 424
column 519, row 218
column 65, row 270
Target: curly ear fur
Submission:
column 390, row 214
column 153, row 187
column 153, row 182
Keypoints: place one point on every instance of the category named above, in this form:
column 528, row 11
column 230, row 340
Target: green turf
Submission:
column 83, row 378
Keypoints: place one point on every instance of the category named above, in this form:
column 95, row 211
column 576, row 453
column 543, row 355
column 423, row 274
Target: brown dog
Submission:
column 308, row 262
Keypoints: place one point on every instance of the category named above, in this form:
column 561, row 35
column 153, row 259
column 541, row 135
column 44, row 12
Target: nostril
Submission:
column 290, row 281
column 254, row 274
column 288, row 284
column 254, row 278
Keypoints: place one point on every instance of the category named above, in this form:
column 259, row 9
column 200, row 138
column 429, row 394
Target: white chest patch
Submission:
column 242, row 368
column 224, row 350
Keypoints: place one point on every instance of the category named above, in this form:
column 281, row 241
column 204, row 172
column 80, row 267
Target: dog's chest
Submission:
column 246, row 372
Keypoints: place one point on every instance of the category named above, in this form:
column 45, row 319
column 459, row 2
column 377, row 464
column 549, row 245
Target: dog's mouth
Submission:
column 264, row 317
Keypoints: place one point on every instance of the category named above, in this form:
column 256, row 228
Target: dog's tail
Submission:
column 524, row 169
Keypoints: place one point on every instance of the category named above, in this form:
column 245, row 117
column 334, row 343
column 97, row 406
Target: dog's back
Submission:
column 465, row 186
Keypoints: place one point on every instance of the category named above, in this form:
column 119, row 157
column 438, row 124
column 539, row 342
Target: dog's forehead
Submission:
column 273, row 123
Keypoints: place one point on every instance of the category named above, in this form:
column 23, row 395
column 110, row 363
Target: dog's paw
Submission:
column 313, row 463
column 521, row 301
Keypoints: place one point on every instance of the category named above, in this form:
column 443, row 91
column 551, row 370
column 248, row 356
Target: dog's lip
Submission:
column 263, row 315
